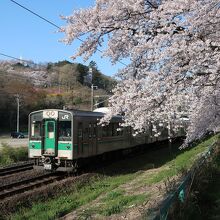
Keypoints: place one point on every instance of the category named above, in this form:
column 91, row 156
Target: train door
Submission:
column 50, row 138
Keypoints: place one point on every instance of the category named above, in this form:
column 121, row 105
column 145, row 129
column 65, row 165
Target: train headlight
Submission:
column 33, row 146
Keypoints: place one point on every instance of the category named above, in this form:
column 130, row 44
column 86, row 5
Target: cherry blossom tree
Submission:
column 174, row 53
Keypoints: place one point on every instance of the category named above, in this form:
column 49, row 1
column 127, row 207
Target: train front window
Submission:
column 36, row 130
column 64, row 130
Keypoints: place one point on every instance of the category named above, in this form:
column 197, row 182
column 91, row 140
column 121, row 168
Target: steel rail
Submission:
column 15, row 169
column 29, row 184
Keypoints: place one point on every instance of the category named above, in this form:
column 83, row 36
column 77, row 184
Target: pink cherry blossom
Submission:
column 174, row 53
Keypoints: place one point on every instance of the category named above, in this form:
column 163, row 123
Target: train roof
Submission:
column 89, row 113
column 86, row 113
column 78, row 112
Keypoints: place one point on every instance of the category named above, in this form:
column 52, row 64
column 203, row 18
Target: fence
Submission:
column 185, row 185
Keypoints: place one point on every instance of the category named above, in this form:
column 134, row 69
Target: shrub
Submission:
column 10, row 155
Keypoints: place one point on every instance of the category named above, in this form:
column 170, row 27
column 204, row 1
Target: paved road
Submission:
column 14, row 142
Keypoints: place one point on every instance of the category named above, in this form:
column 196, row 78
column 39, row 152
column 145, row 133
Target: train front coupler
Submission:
column 49, row 163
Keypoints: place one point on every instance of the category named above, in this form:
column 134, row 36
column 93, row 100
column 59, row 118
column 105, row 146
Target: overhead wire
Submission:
column 34, row 13
column 26, row 77
column 53, row 24
column 15, row 58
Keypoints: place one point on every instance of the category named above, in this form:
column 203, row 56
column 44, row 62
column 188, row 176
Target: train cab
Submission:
column 50, row 137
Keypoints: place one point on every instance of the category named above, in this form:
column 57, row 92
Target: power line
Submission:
column 53, row 24
column 16, row 76
column 26, row 77
column 5, row 55
column 32, row 12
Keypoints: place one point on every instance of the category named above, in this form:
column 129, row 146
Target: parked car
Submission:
column 17, row 135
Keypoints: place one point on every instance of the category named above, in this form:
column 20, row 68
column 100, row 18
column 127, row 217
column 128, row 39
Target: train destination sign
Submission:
column 50, row 114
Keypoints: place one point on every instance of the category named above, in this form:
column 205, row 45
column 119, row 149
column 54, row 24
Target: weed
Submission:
column 119, row 203
column 9, row 155
column 113, row 195
column 181, row 163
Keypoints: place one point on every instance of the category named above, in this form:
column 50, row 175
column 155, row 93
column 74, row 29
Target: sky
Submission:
column 25, row 35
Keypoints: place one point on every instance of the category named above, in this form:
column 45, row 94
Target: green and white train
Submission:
column 59, row 139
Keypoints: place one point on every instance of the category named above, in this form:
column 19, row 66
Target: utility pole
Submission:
column 92, row 89
column 92, row 94
column 18, row 110
column 101, row 96
column 59, row 81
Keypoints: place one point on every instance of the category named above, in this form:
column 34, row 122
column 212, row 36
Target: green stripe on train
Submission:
column 61, row 146
column 34, row 145
column 64, row 146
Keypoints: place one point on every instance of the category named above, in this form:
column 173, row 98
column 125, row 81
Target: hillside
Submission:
column 49, row 85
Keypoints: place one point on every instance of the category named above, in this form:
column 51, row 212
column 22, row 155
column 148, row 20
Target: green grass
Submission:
column 182, row 162
column 104, row 196
column 113, row 202
column 118, row 204
column 69, row 201
column 9, row 155
column 113, row 195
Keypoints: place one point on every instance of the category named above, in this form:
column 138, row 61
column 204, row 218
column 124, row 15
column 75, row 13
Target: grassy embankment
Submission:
column 125, row 184
column 9, row 155
column 204, row 199
column 212, row 196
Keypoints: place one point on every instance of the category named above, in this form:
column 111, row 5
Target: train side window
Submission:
column 90, row 130
column 80, row 131
column 120, row 130
column 94, row 130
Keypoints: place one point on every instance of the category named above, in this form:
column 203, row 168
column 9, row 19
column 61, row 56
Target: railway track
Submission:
column 16, row 168
column 28, row 184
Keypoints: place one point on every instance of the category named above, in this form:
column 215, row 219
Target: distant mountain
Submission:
column 63, row 72
column 49, row 85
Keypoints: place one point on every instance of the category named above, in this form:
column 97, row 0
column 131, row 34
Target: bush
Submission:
column 10, row 155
